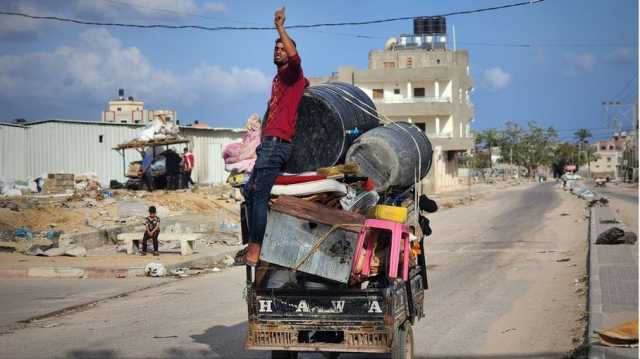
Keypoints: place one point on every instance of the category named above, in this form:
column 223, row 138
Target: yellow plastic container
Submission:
column 348, row 168
column 389, row 213
column 236, row 180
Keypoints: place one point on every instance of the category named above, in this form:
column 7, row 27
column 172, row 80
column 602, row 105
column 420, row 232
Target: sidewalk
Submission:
column 105, row 265
column 613, row 285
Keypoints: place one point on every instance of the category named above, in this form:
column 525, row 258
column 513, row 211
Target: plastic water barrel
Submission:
column 392, row 155
column 330, row 117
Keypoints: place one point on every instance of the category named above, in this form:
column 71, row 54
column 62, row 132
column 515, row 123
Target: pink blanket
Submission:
column 237, row 152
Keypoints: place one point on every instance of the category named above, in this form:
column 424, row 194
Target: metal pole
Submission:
column 453, row 27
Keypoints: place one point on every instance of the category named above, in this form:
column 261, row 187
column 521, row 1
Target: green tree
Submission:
column 585, row 152
column 487, row 140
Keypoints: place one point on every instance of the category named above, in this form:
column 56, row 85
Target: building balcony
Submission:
column 412, row 100
column 414, row 108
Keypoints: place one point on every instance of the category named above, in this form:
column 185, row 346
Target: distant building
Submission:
column 416, row 79
column 617, row 157
column 129, row 110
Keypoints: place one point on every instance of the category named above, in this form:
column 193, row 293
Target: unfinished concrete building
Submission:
column 415, row 78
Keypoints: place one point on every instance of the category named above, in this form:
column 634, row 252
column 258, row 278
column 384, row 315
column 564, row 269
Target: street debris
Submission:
column 622, row 335
column 228, row 261
column 563, row 260
column 508, row 330
column 616, row 235
column 155, row 269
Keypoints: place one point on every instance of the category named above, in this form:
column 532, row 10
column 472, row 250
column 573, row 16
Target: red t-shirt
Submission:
column 187, row 161
column 286, row 91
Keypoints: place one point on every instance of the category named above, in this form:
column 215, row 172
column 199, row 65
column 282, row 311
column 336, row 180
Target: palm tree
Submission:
column 582, row 135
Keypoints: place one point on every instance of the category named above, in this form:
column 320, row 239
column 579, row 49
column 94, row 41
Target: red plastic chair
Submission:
column 399, row 237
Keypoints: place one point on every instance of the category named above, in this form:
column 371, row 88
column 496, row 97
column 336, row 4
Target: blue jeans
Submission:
column 272, row 157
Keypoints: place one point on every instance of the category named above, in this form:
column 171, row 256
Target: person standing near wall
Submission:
column 187, row 166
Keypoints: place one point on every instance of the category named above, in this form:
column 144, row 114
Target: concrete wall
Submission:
column 444, row 174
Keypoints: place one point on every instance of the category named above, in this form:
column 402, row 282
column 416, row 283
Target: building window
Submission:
column 597, row 166
column 611, row 147
column 421, row 126
column 418, row 92
column 438, row 61
column 123, row 121
column 409, row 62
column 396, row 91
column 608, row 166
column 137, row 121
column 389, row 65
column 100, row 139
column 608, row 159
column 378, row 93
column 603, row 148
column 119, row 109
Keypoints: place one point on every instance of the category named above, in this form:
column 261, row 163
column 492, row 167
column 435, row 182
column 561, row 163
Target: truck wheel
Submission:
column 402, row 347
column 283, row 354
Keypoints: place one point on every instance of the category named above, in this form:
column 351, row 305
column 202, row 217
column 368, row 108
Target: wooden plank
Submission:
column 315, row 212
column 138, row 144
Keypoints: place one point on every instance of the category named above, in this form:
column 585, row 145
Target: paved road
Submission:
column 23, row 299
column 503, row 282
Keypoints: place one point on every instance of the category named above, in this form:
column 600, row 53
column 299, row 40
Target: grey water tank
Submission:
column 392, row 155
column 328, row 116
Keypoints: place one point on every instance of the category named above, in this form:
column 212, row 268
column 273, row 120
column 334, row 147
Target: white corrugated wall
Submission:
column 63, row 147
column 13, row 153
column 67, row 147
column 201, row 145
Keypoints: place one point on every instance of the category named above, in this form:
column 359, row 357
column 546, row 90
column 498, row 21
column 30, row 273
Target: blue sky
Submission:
column 582, row 52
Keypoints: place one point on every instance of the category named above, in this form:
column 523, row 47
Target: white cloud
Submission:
column 91, row 71
column 19, row 28
column 137, row 11
column 580, row 62
column 496, row 78
column 214, row 7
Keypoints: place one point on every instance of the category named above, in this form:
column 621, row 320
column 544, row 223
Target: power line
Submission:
column 303, row 26
column 626, row 86
column 182, row 13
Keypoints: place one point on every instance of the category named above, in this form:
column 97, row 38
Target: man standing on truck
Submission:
column 278, row 129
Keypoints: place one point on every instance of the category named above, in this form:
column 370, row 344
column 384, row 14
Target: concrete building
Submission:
column 64, row 146
column 129, row 110
column 617, row 157
column 415, row 78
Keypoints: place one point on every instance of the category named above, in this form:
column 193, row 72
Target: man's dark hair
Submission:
column 280, row 40
column 152, row 209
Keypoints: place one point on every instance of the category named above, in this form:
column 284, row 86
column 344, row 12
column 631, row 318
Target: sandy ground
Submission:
column 70, row 214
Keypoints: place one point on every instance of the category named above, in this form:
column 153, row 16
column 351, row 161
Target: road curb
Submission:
column 198, row 260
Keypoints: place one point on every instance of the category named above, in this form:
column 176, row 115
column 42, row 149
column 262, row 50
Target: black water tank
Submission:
column 392, row 156
column 430, row 25
column 120, row 92
column 327, row 116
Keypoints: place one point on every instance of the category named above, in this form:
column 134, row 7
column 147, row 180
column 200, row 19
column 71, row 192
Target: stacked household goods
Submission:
column 159, row 129
column 239, row 158
column 356, row 223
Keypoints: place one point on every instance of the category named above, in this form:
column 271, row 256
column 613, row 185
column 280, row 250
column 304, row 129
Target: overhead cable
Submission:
column 220, row 28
